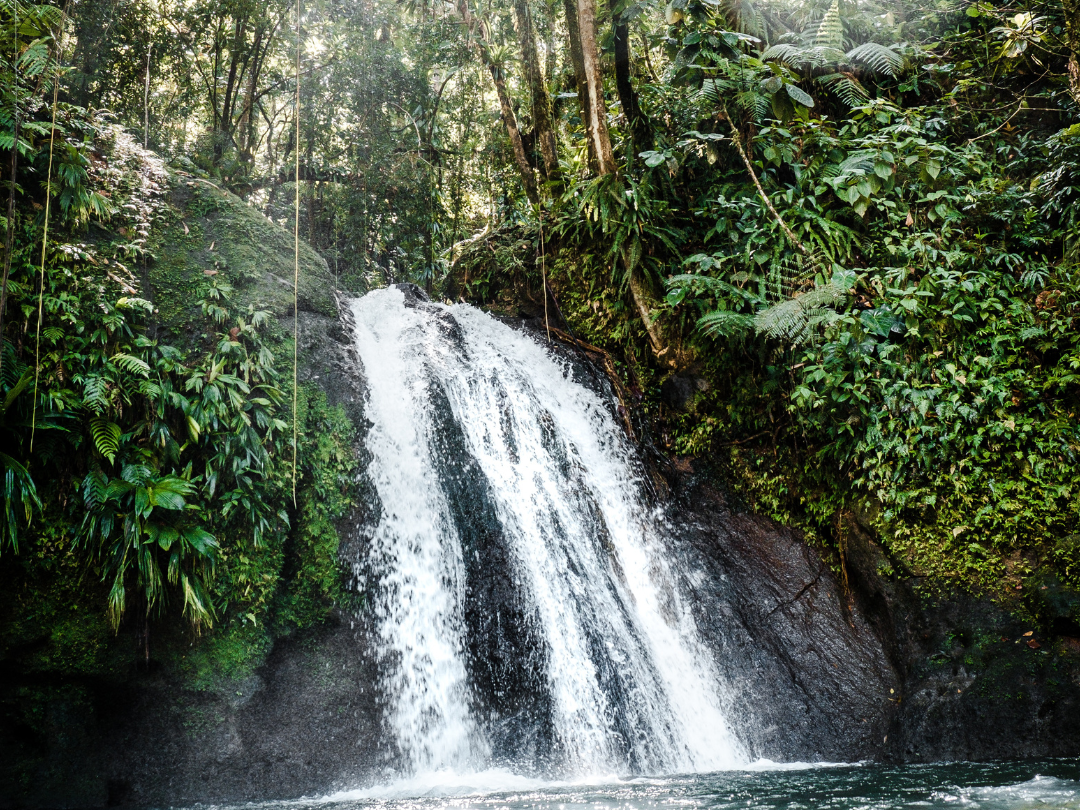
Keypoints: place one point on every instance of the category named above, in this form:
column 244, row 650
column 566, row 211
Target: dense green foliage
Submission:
column 153, row 459
column 851, row 225
column 895, row 331
column 925, row 353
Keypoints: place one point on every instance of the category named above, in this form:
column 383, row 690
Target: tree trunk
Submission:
column 541, row 102
column 642, row 297
column 510, row 120
column 1072, row 29
column 521, row 159
column 595, row 109
column 640, row 129
column 570, row 10
column 600, row 148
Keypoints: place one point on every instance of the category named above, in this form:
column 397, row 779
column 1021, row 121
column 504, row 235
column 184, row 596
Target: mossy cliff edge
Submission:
column 82, row 708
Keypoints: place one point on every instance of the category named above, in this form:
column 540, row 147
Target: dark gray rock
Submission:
column 807, row 678
column 305, row 722
column 678, row 390
column 979, row 683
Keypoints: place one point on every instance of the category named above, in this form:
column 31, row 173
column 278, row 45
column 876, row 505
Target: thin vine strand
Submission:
column 45, row 232
column 296, row 265
column 543, row 276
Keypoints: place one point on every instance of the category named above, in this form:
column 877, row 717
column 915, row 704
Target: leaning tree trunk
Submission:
column 541, row 102
column 521, row 159
column 599, row 138
column 1072, row 29
column 640, row 129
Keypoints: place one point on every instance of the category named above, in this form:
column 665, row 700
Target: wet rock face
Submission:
column 978, row 683
column 807, row 677
column 505, row 651
column 306, row 722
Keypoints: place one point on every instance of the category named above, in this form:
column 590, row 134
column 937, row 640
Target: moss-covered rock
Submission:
column 205, row 231
column 90, row 717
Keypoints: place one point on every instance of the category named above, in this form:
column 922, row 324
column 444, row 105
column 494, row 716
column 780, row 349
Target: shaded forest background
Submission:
column 830, row 249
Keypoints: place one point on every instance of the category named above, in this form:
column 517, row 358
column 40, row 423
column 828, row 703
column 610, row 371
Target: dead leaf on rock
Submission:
column 1034, row 644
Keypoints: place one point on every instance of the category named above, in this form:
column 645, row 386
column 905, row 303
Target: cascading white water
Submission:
column 631, row 686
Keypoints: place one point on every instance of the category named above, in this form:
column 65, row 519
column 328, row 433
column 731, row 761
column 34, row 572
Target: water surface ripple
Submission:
column 1046, row 785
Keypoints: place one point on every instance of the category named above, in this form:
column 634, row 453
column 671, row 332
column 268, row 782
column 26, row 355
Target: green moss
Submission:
column 208, row 231
column 326, row 490
column 216, row 660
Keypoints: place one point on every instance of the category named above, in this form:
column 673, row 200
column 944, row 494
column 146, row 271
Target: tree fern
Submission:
column 830, row 31
column 821, row 57
column 877, row 58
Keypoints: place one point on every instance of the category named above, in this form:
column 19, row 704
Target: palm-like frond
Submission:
column 830, row 32
column 744, row 17
column 846, row 88
column 756, row 105
column 724, row 323
column 794, row 319
column 877, row 58
column 802, row 58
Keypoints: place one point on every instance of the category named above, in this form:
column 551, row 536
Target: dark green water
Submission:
column 998, row 786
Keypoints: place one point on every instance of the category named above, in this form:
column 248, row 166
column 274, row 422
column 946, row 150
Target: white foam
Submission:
column 1037, row 792
column 632, row 688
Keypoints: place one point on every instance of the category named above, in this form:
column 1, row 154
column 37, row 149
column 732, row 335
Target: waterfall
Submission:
column 486, row 453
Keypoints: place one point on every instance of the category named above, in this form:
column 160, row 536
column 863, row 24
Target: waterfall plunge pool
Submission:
column 1043, row 784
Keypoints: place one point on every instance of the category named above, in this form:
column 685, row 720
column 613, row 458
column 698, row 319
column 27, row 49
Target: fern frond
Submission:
column 723, row 323
column 848, row 89
column 877, row 58
column 786, row 52
column 131, row 364
column 710, row 284
column 795, row 319
column 754, row 104
column 95, row 391
column 830, row 32
column 819, row 57
column 744, row 17
column 802, row 58
column 106, row 435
